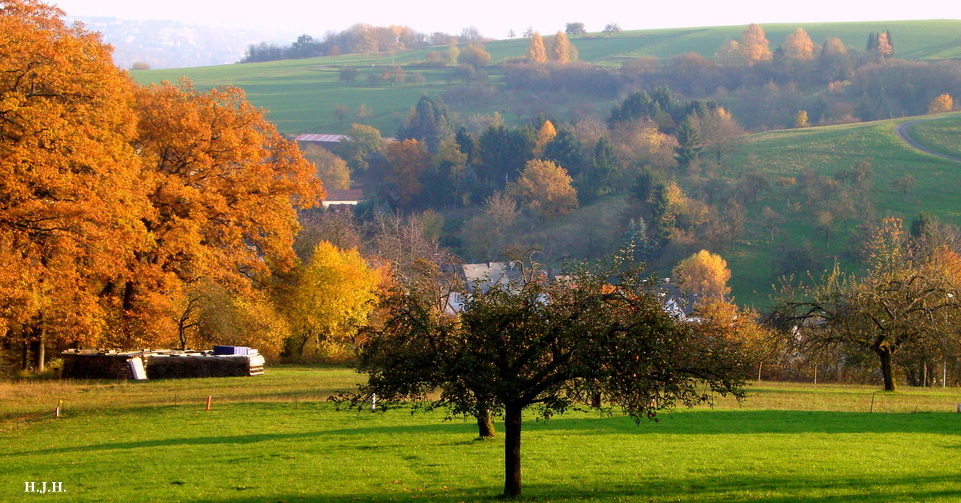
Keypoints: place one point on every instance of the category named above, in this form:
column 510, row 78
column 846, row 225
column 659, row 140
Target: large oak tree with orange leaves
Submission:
column 116, row 198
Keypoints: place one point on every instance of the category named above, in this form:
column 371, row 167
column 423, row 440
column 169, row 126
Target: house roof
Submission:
column 325, row 138
column 341, row 195
column 330, row 138
column 488, row 274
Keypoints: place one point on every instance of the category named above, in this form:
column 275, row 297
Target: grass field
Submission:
column 827, row 150
column 301, row 95
column 273, row 438
column 940, row 134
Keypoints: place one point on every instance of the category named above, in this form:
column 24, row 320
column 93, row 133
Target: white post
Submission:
column 373, row 402
column 944, row 373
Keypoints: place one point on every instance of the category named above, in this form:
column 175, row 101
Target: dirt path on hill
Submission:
column 902, row 130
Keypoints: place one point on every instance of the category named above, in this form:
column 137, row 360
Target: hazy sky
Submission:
column 494, row 18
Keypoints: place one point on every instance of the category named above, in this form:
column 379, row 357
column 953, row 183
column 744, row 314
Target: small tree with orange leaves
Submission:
column 942, row 103
column 536, row 52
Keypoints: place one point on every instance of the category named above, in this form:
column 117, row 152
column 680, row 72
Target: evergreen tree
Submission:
column 503, row 153
column 565, row 150
column 429, row 122
column 688, row 144
column 467, row 143
column 635, row 106
column 598, row 178
column 872, row 44
column 650, row 196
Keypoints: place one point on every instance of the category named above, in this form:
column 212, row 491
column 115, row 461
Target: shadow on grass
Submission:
column 724, row 487
column 700, row 422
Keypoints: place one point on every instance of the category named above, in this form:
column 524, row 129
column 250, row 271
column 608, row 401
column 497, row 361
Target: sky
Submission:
column 496, row 18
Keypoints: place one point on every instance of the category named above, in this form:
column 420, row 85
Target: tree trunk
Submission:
column 887, row 367
column 42, row 336
column 512, row 451
column 485, row 424
column 596, row 400
column 41, row 352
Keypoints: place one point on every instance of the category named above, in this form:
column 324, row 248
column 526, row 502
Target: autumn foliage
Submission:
column 544, row 189
column 704, row 274
column 118, row 199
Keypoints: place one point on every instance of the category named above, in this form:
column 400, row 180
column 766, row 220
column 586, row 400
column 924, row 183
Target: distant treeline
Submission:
column 360, row 38
column 766, row 88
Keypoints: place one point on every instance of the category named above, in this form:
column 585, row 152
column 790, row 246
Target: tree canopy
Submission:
column 549, row 344
column 118, row 199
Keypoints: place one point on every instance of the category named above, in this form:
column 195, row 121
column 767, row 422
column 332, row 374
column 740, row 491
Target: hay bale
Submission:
column 97, row 364
column 160, row 364
column 186, row 366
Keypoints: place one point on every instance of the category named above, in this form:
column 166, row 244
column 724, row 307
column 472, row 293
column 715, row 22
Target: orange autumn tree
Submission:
column 799, row 46
column 562, row 50
column 223, row 186
column 942, row 103
column 754, row 44
column 70, row 202
column 536, row 52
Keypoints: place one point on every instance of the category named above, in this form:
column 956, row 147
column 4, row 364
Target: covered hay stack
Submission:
column 161, row 364
column 179, row 366
column 86, row 364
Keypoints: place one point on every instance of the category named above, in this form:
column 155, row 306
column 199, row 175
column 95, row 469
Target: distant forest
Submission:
column 360, row 38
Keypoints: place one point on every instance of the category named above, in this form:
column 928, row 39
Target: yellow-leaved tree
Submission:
column 562, row 50
column 544, row 189
column 704, row 274
column 334, row 294
column 799, row 46
column 544, row 135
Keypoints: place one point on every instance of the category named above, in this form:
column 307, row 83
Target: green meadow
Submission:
column 301, row 95
column 275, row 439
column 827, row 150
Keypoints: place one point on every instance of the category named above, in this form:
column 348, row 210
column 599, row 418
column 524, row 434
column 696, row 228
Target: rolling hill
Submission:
column 301, row 95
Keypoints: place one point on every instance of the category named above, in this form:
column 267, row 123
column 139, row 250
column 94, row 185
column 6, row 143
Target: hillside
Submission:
column 808, row 215
column 826, row 151
column 301, row 95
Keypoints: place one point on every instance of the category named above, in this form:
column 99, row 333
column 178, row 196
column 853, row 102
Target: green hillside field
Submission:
column 301, row 95
column 274, row 438
column 826, row 151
